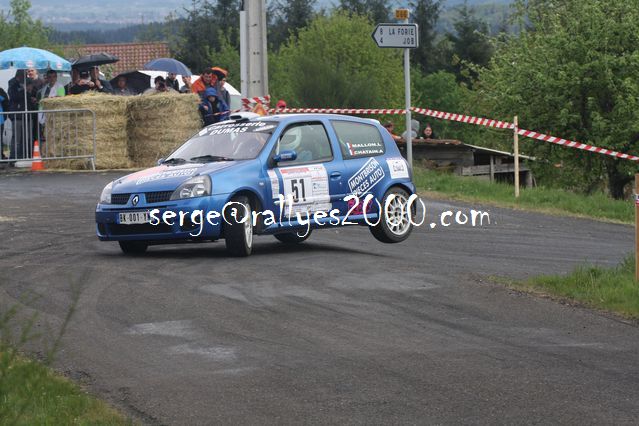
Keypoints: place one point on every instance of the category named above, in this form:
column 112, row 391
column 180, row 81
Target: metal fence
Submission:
column 67, row 134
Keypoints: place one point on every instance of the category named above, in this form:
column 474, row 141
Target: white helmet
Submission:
column 291, row 139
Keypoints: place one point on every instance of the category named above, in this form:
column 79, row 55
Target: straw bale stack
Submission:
column 159, row 123
column 72, row 132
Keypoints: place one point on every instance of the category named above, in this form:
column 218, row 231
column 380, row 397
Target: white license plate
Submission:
column 133, row 218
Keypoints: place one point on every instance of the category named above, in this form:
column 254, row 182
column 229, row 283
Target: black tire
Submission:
column 292, row 237
column 239, row 235
column 133, row 247
column 393, row 226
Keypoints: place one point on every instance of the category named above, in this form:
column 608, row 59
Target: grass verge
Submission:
column 32, row 393
column 608, row 289
column 547, row 200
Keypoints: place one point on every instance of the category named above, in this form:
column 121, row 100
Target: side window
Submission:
column 358, row 139
column 309, row 141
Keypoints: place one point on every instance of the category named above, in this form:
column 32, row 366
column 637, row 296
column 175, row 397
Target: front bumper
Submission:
column 182, row 227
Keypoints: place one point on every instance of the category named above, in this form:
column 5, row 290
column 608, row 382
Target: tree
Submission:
column 377, row 10
column 574, row 73
column 287, row 17
column 334, row 63
column 199, row 32
column 19, row 29
column 425, row 14
column 470, row 44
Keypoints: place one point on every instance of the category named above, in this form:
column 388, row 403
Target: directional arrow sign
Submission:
column 396, row 35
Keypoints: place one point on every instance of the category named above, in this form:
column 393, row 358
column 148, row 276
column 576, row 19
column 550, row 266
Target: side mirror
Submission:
column 285, row 156
column 160, row 161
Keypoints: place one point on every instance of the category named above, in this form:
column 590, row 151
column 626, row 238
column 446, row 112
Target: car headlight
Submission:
column 105, row 197
column 198, row 186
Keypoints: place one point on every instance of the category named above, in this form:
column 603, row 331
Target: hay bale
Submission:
column 72, row 134
column 159, row 123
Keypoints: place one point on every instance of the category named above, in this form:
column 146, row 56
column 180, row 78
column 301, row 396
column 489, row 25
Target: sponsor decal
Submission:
column 167, row 174
column 366, row 177
column 369, row 148
column 398, row 168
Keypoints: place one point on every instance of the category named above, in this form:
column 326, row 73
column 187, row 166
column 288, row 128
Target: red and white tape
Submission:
column 576, row 145
column 339, row 111
column 247, row 103
column 523, row 132
column 464, row 118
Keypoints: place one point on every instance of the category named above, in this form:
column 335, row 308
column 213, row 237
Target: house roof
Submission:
column 132, row 55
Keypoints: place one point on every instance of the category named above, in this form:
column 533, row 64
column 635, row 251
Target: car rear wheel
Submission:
column 133, row 247
column 394, row 223
column 238, row 227
column 292, row 237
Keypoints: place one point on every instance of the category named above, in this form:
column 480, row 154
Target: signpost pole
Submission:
column 404, row 36
column 409, row 142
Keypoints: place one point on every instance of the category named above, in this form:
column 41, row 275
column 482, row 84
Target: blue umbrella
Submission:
column 30, row 57
column 167, row 65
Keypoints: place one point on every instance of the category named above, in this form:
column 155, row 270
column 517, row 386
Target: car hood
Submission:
column 165, row 177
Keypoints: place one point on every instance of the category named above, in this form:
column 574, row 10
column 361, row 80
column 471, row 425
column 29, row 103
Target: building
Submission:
column 470, row 160
column 132, row 55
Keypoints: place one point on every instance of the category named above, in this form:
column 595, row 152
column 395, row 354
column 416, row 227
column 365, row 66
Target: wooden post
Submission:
column 516, row 155
column 492, row 168
column 636, row 227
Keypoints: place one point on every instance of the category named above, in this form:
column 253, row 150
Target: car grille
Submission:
column 151, row 197
column 144, row 228
column 120, row 198
column 158, row 197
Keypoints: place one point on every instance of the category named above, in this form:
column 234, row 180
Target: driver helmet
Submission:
column 291, row 139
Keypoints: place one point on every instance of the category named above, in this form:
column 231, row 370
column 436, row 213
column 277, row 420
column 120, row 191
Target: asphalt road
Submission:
column 341, row 330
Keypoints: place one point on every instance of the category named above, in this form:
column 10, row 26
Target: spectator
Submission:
column 212, row 108
column 100, row 85
column 171, row 82
column 391, row 129
column 22, row 123
column 51, row 89
column 414, row 132
column 82, row 84
column 205, row 81
column 75, row 76
column 4, row 107
column 121, row 88
column 38, row 82
column 281, row 104
column 160, row 87
column 428, row 132
column 186, row 79
column 221, row 75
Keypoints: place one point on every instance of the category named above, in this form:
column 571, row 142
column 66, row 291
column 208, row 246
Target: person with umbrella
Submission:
column 101, row 85
column 121, row 88
column 171, row 81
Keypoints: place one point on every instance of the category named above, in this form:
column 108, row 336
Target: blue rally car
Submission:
column 283, row 175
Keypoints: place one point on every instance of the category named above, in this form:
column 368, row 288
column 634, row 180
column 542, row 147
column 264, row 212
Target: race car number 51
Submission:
column 132, row 218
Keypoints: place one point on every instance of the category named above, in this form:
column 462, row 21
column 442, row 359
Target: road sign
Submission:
column 396, row 35
column 401, row 14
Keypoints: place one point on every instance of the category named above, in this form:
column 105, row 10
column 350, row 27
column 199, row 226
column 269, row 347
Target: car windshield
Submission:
column 224, row 142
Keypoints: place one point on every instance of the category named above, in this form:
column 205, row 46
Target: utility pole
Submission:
column 253, row 53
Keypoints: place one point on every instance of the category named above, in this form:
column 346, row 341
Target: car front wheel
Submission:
column 394, row 223
column 238, row 231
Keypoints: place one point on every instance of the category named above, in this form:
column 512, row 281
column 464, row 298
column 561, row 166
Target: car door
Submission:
column 312, row 182
column 362, row 148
